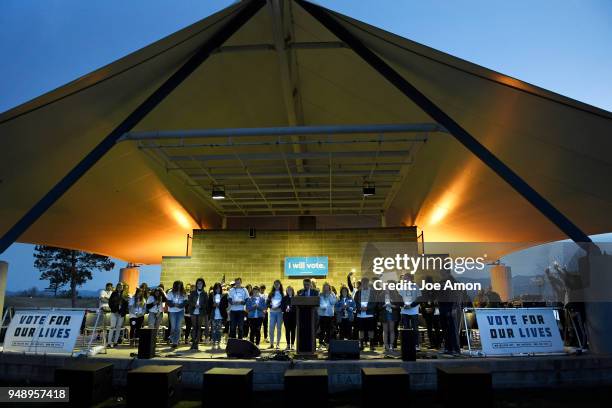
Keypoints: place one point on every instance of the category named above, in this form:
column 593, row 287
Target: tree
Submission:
column 67, row 266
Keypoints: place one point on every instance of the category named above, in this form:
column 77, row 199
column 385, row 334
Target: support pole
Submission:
column 429, row 107
column 242, row 15
column 3, row 279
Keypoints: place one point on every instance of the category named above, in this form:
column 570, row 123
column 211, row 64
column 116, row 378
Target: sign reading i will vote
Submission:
column 306, row 266
column 515, row 331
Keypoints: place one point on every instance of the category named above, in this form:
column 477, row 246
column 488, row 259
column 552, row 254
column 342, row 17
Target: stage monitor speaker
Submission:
column 154, row 386
column 344, row 350
column 89, row 382
column 237, row 348
column 146, row 343
column 408, row 344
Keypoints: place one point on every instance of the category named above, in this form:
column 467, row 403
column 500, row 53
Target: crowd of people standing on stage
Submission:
column 356, row 311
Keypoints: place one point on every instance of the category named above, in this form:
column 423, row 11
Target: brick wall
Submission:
column 261, row 259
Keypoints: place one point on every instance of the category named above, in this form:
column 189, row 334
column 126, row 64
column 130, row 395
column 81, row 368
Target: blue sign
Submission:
column 306, row 266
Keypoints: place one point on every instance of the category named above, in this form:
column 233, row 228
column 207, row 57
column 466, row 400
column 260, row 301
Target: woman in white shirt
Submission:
column 275, row 315
column 217, row 306
column 176, row 299
column 155, row 308
column 136, row 306
column 327, row 301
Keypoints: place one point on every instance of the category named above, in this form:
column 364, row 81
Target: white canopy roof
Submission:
column 283, row 68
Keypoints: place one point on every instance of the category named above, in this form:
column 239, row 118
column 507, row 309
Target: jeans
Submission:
column 135, row 325
column 116, row 323
column 255, row 329
column 176, row 319
column 217, row 327
column 236, row 323
column 154, row 320
column 388, row 333
column 196, row 328
column 276, row 322
column 412, row 322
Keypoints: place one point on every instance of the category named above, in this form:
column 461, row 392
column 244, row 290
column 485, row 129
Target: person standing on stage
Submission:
column 198, row 304
column 187, row 314
column 410, row 308
column 447, row 304
column 308, row 289
column 175, row 300
column 262, row 293
column 118, row 304
column 217, row 307
column 237, row 298
column 155, row 307
column 245, row 326
column 389, row 316
column 255, row 306
column 104, row 296
column 327, row 301
column 366, row 310
column 289, row 317
column 345, row 307
column 275, row 315
column 136, row 307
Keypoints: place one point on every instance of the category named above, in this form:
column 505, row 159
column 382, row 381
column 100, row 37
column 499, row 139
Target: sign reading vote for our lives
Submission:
column 306, row 266
column 43, row 331
column 514, row 331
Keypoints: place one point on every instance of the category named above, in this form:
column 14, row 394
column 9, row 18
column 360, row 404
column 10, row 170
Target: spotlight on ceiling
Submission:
column 218, row 193
column 369, row 189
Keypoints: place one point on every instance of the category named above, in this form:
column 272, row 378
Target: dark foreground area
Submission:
column 511, row 398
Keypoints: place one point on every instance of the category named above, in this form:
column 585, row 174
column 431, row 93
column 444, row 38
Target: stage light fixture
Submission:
column 218, row 193
column 369, row 189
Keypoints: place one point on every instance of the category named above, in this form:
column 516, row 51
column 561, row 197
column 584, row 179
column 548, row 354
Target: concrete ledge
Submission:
column 515, row 372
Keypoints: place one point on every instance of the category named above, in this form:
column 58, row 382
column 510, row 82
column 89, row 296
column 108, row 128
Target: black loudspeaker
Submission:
column 307, row 223
column 237, row 348
column 154, row 386
column 146, row 343
column 251, row 232
column 344, row 350
column 90, row 383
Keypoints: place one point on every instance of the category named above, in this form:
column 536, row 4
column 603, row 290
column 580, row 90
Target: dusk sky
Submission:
column 564, row 46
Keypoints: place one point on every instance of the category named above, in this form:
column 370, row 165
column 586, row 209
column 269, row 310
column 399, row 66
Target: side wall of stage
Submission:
column 258, row 260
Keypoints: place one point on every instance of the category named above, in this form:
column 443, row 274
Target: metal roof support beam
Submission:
column 242, row 14
column 238, row 176
column 284, row 131
column 291, row 156
column 462, row 135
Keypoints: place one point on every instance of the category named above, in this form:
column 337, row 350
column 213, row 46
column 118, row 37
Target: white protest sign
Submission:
column 43, row 331
column 514, row 331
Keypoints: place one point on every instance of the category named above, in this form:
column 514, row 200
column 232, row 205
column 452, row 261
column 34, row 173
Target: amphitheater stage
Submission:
column 344, row 375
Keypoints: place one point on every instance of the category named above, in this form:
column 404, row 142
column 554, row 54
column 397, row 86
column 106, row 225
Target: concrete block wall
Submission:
column 261, row 259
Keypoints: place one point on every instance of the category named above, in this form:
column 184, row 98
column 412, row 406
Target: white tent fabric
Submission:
column 130, row 206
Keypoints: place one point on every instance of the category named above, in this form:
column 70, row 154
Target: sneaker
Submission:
column 174, row 346
column 271, row 347
column 278, row 346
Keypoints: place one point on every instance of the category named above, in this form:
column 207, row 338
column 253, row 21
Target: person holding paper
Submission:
column 217, row 306
column 289, row 317
column 389, row 315
column 275, row 315
column 255, row 305
column 198, row 304
column 410, row 308
column 366, row 310
column 327, row 300
column 175, row 300
column 345, row 307
column 237, row 298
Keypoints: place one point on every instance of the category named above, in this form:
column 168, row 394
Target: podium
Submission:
column 306, row 323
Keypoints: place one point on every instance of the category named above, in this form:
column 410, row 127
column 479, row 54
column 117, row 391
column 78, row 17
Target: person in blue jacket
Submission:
column 255, row 306
column 345, row 309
